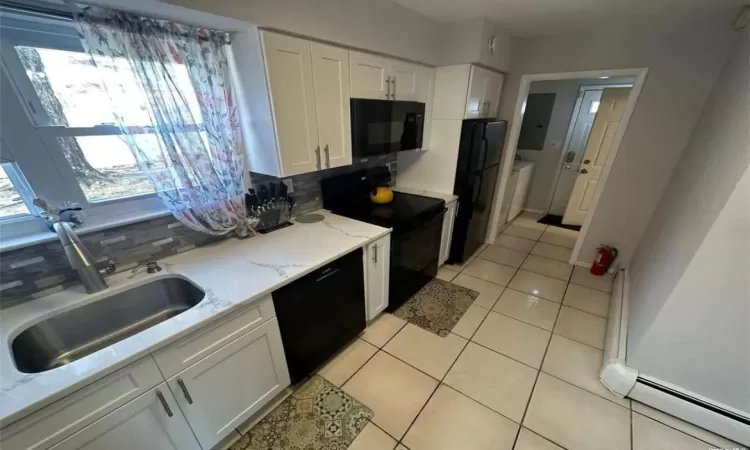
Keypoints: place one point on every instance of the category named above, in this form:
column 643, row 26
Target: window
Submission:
column 62, row 127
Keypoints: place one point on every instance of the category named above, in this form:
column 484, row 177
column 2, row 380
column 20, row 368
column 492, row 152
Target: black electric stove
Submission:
column 417, row 224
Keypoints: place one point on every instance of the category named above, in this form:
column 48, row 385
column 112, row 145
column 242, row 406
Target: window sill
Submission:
column 95, row 225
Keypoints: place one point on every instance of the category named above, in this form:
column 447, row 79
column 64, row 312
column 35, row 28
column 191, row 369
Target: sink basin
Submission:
column 81, row 331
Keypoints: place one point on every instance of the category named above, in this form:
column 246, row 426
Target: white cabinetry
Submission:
column 521, row 191
column 377, row 266
column 445, row 239
column 380, row 78
column 152, row 420
column 217, row 377
column 295, row 114
column 224, row 389
column 483, row 95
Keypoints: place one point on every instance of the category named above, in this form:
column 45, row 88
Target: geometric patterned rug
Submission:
column 317, row 416
column 437, row 307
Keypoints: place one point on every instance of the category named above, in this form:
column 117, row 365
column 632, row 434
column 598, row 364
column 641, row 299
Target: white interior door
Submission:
column 289, row 67
column 331, row 75
column 608, row 117
column 370, row 76
column 579, row 131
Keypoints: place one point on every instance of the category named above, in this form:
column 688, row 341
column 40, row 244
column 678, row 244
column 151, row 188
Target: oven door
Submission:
column 414, row 258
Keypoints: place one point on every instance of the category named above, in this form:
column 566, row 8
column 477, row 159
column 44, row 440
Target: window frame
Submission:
column 42, row 161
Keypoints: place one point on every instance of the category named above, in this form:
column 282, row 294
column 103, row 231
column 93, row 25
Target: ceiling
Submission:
column 543, row 17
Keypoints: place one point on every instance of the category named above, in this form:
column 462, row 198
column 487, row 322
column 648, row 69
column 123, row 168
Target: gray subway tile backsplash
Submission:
column 42, row 269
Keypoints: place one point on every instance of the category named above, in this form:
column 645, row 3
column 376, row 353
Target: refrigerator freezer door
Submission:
column 494, row 137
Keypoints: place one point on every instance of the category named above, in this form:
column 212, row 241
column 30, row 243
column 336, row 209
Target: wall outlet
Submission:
column 289, row 185
column 555, row 144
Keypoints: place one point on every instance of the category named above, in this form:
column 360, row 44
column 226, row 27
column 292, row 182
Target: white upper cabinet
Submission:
column 331, row 75
column 405, row 81
column 370, row 76
column 483, row 93
column 380, row 78
column 290, row 75
column 309, row 92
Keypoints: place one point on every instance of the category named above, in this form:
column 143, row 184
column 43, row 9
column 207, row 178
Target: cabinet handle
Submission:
column 388, row 88
column 328, row 156
column 393, row 85
column 164, row 404
column 185, row 391
column 317, row 157
column 375, row 254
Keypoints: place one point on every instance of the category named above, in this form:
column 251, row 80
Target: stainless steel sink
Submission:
column 81, row 331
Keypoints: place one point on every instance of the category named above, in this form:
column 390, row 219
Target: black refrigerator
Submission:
column 479, row 155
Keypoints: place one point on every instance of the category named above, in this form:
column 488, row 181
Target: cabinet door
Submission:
column 447, row 234
column 290, row 77
column 331, row 75
column 426, row 82
column 222, row 390
column 377, row 265
column 369, row 76
column 475, row 100
column 405, row 81
column 492, row 95
column 152, row 420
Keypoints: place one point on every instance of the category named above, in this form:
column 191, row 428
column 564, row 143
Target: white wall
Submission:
column 690, row 282
column 547, row 161
column 465, row 41
column 383, row 26
column 683, row 64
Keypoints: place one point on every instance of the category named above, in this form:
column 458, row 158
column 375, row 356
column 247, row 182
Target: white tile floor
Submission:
column 519, row 371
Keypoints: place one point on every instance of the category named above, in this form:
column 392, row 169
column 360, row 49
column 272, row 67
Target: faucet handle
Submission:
column 109, row 269
column 151, row 267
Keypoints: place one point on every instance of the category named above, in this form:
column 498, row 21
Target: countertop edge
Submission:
column 19, row 414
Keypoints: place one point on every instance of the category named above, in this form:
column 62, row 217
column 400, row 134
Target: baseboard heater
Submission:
column 628, row 382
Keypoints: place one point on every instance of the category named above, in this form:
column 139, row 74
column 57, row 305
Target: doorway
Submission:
column 595, row 119
column 576, row 134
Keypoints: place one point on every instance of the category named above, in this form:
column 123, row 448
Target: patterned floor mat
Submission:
column 437, row 307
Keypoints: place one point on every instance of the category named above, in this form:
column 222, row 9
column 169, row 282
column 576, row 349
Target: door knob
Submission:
column 586, row 161
column 584, row 171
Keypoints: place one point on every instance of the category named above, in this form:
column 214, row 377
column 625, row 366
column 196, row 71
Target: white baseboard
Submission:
column 625, row 381
column 689, row 411
column 535, row 211
column 615, row 374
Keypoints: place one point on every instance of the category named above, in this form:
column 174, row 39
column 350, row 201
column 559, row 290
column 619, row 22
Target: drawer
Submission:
column 197, row 345
column 70, row 414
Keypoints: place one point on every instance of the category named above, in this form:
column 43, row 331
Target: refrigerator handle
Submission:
column 475, row 198
column 483, row 150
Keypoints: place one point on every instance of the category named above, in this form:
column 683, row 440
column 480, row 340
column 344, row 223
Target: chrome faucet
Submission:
column 81, row 260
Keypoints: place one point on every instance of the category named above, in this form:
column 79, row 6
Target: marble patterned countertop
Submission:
column 233, row 273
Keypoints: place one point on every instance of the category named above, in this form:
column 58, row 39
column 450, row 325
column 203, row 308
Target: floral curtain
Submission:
column 182, row 125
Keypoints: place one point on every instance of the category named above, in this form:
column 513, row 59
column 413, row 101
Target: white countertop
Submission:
column 406, row 190
column 232, row 273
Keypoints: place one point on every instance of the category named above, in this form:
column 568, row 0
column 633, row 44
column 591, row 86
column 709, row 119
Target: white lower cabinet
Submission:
column 224, row 389
column 151, row 421
column 217, row 377
column 445, row 239
column 377, row 266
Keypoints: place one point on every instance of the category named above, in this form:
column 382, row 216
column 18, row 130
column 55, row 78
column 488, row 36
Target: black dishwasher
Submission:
column 321, row 312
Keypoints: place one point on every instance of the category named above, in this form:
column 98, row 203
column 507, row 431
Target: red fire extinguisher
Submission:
column 604, row 257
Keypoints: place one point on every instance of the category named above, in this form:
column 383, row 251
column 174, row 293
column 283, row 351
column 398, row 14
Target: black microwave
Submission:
column 385, row 126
